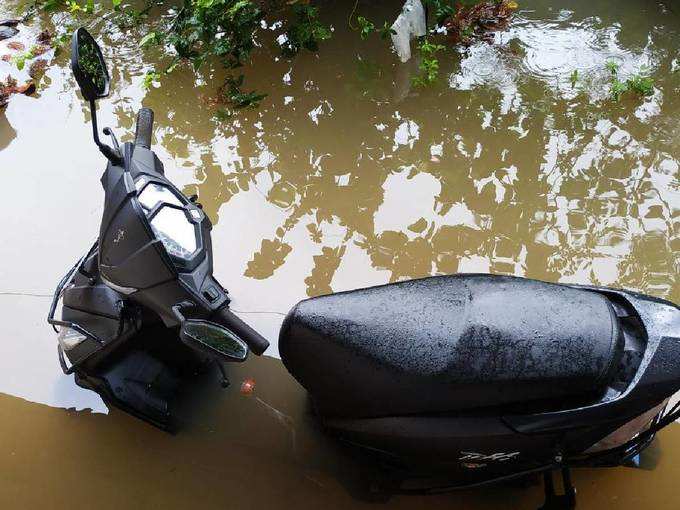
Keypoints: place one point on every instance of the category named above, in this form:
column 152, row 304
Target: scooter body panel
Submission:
column 479, row 437
column 465, row 451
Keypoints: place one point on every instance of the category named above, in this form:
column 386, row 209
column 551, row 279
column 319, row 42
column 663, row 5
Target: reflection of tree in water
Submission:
column 553, row 188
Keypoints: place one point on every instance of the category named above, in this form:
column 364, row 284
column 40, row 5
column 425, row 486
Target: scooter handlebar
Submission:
column 144, row 128
column 256, row 342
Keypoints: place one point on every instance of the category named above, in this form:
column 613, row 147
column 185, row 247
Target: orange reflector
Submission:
column 247, row 387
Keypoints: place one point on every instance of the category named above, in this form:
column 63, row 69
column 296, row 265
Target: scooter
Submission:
column 141, row 310
column 445, row 382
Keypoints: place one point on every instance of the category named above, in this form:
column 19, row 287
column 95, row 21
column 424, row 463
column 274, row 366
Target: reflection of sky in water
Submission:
column 550, row 52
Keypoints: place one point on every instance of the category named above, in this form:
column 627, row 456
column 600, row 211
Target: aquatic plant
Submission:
column 642, row 85
column 20, row 60
column 73, row 6
column 232, row 94
column 204, row 30
column 612, row 66
column 618, row 88
column 37, row 68
column 464, row 21
column 11, row 86
column 442, row 9
column 365, row 27
column 429, row 65
column 150, row 78
column 477, row 20
column 129, row 17
column 213, row 28
column 306, row 31
column 573, row 78
column 52, row 5
column 152, row 38
column 638, row 83
column 386, row 31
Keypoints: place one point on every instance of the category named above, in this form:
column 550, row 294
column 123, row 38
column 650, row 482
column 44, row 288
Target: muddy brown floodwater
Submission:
column 346, row 176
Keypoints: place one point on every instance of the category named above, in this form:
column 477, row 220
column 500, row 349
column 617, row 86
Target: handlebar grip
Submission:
column 144, row 128
column 256, row 342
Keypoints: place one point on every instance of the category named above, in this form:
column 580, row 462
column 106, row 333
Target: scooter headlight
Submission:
column 175, row 231
column 168, row 217
column 154, row 194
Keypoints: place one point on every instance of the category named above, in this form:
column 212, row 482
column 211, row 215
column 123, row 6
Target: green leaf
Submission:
column 149, row 38
column 429, row 65
column 150, row 78
column 613, row 67
column 387, row 31
column 618, row 88
column 232, row 93
column 366, row 27
column 573, row 78
column 172, row 66
column 642, row 85
column 241, row 4
column 53, row 5
column 306, row 32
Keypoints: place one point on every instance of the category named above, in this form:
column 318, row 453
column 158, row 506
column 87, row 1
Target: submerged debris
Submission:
column 410, row 23
column 37, row 68
column 27, row 67
column 7, row 32
column 479, row 21
column 16, row 46
column 11, row 86
column 464, row 23
column 8, row 28
column 45, row 37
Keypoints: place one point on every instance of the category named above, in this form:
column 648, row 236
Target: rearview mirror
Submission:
column 213, row 340
column 88, row 65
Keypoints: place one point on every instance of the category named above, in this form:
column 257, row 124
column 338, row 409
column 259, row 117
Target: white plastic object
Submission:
column 411, row 23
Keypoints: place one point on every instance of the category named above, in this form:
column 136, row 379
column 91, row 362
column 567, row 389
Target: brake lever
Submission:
column 116, row 146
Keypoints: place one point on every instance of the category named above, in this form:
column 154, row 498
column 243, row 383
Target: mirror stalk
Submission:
column 112, row 155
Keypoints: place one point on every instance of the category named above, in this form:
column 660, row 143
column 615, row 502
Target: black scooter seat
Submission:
column 450, row 343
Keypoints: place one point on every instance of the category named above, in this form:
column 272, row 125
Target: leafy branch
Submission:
column 306, row 31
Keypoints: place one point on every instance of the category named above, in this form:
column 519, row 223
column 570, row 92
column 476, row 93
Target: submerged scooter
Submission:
column 446, row 382
column 141, row 310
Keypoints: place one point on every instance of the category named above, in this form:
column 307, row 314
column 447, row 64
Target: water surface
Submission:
column 346, row 176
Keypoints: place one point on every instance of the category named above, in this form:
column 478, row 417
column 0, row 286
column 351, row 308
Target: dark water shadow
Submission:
column 7, row 132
